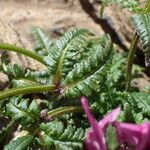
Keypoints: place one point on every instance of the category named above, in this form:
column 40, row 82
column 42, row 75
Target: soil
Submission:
column 54, row 16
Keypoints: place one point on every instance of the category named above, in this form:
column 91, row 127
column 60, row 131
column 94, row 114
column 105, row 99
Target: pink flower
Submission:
column 137, row 136
column 95, row 138
column 130, row 135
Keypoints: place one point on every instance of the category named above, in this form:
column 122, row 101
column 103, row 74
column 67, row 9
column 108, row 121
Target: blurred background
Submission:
column 54, row 16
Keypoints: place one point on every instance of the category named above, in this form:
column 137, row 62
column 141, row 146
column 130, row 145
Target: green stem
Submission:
column 63, row 110
column 130, row 61
column 132, row 51
column 29, row 53
column 26, row 90
column 147, row 7
column 102, row 10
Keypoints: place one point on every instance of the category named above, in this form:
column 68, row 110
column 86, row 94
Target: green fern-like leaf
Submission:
column 32, row 77
column 116, row 73
column 87, row 75
column 29, row 77
column 58, row 135
column 131, row 5
column 13, row 71
column 5, row 58
column 20, row 143
column 64, row 54
column 140, row 102
column 23, row 82
column 42, row 76
column 141, row 23
column 20, row 77
column 43, row 42
column 22, row 110
column 77, row 62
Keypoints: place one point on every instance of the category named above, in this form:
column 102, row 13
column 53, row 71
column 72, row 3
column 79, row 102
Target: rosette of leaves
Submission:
column 76, row 65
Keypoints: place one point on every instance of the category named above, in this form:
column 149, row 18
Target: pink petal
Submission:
column 124, row 131
column 98, row 133
column 135, row 135
column 92, row 145
column 109, row 118
column 145, row 139
column 87, row 110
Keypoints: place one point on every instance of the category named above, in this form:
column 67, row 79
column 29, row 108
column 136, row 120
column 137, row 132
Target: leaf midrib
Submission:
column 42, row 39
column 29, row 138
column 57, row 76
column 88, row 75
column 25, row 112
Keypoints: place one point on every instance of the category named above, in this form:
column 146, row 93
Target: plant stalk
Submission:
column 29, row 53
column 130, row 61
column 26, row 90
column 147, row 7
column 132, row 51
column 64, row 110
